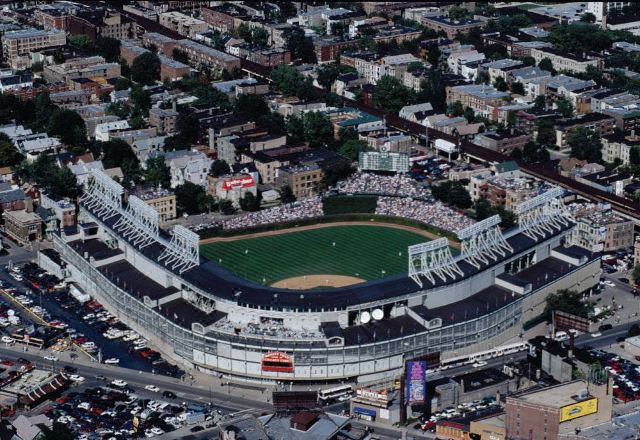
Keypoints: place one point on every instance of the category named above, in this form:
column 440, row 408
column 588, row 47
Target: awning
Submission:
column 364, row 411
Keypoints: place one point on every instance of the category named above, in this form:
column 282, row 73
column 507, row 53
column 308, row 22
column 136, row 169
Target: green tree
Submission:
column 58, row 431
column 540, row 103
column 57, row 182
column 517, row 88
column 9, row 155
column 180, row 55
column 546, row 64
column 458, row 13
column 432, row 89
column 546, row 132
column 58, row 56
column 157, row 172
column 116, row 152
column 336, row 170
column 390, row 95
column 455, row 109
column 68, row 126
column 286, row 79
column 188, row 127
column 528, row 60
column 565, row 107
column 351, row 149
column 295, row 129
column 250, row 202
column 300, row 45
column 500, row 84
column 191, row 198
column 109, row 48
column 533, row 153
column 469, row 114
column 452, row 193
column 634, row 155
column 210, row 97
column 145, row 68
column 588, row 17
column 286, row 194
column 482, row 77
column 122, row 84
column 226, row 207
column 636, row 274
column 141, row 100
column 317, row 129
column 219, row 168
column 119, row 109
column 567, row 301
column 585, row 145
column 433, row 56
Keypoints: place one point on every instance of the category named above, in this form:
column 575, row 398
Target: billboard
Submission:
column 579, row 409
column 237, row 182
column 384, row 161
column 416, row 380
column 277, row 362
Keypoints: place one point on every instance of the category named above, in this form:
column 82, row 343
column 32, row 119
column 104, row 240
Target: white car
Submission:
column 153, row 388
column 609, row 283
column 112, row 361
column 119, row 383
column 596, row 335
column 76, row 378
column 157, row 431
column 478, row 364
column 51, row 357
column 7, row 339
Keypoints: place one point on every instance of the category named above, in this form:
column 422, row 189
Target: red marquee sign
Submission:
column 277, row 362
column 239, row 182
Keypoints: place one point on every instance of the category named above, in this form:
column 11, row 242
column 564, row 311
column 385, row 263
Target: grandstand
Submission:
column 203, row 315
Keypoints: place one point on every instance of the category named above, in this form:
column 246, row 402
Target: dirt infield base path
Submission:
column 313, row 281
column 418, row 231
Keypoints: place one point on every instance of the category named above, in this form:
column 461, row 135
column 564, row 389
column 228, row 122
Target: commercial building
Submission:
column 232, row 187
column 22, row 226
column 183, row 24
column 17, row 45
column 89, row 67
column 503, row 143
column 558, row 410
column 160, row 199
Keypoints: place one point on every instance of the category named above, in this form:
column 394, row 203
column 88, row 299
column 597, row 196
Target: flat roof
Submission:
column 556, row 396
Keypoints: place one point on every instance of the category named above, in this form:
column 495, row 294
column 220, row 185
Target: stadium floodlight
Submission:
column 483, row 241
column 103, row 195
column 540, row 200
column 182, row 252
column 543, row 215
column 432, row 258
column 139, row 223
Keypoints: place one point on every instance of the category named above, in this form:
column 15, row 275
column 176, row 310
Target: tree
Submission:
column 58, row 56
column 455, row 109
column 336, row 170
column 9, row 155
column 533, row 153
column 588, row 17
column 180, row 55
column 585, row 145
column 58, row 431
column 141, row 100
column 300, row 45
column 540, row 103
column 567, row 301
column 415, row 65
column 119, row 109
column 433, row 57
column 145, row 68
column 432, row 89
column 109, row 48
column 565, row 107
column 306, row 91
column 68, row 126
column 57, row 182
column 157, row 172
column 500, row 84
column 210, row 97
column 546, row 64
column 636, row 274
column 390, row 95
column 117, row 152
column 122, row 84
column 457, row 13
column 250, row 202
column 546, row 132
column 286, row 79
column 219, row 168
column 528, row 60
column 469, row 114
column 517, row 88
column 452, row 193
column 286, row 194
column 192, row 198
column 317, row 129
column 634, row 155
column 188, row 127
column 482, row 77
column 351, row 149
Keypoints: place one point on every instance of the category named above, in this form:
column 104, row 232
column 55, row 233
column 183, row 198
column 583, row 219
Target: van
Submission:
column 561, row 336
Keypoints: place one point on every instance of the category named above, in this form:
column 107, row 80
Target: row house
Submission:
column 169, row 68
column 598, row 122
column 451, row 27
column 101, row 23
column 564, row 61
column 500, row 68
column 617, row 146
column 210, row 57
column 183, row 24
column 481, row 98
column 225, row 17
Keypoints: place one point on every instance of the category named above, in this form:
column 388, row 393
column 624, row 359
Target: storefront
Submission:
column 364, row 413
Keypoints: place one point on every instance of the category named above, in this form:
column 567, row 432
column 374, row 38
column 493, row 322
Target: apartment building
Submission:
column 449, row 26
column 304, row 180
column 503, row 143
column 599, row 229
column 163, row 43
column 506, row 190
column 169, row 68
column 372, row 68
column 163, row 120
column 201, row 54
column 225, row 17
column 183, row 24
column 17, row 45
column 89, row 67
column 160, row 199
column 564, row 61
column 617, row 146
column 481, row 98
column 598, row 122
column 96, row 23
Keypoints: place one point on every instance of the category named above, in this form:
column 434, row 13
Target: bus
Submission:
column 330, row 395
column 503, row 350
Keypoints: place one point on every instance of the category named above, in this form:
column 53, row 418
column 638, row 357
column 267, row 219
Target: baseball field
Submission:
column 319, row 256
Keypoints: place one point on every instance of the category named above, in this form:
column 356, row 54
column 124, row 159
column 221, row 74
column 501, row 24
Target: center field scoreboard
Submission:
column 384, row 161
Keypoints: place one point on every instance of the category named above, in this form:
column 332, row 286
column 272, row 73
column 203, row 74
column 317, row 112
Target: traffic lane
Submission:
column 138, row 378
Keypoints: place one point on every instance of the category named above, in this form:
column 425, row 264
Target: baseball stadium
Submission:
column 311, row 296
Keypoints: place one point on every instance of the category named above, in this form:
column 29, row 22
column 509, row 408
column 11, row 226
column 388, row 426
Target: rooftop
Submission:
column 556, row 396
column 201, row 48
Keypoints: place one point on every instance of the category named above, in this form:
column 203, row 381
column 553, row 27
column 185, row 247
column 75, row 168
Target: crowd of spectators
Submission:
column 368, row 183
column 433, row 213
column 270, row 329
column 298, row 210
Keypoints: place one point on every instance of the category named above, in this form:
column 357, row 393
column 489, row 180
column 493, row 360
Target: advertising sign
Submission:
column 238, row 182
column 277, row 362
column 579, row 409
column 416, row 382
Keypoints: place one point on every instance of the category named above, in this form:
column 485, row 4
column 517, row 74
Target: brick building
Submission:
column 449, row 26
column 17, row 45
column 96, row 23
column 163, row 120
column 598, row 122
column 201, row 54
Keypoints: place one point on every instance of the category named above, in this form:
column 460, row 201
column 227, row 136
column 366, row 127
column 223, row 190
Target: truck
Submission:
column 193, row 418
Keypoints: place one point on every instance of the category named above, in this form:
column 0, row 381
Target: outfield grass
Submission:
column 360, row 251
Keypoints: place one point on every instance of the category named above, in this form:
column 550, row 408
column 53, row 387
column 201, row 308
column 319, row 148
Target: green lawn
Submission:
column 362, row 251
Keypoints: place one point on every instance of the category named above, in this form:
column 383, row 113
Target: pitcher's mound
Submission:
column 313, row 281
